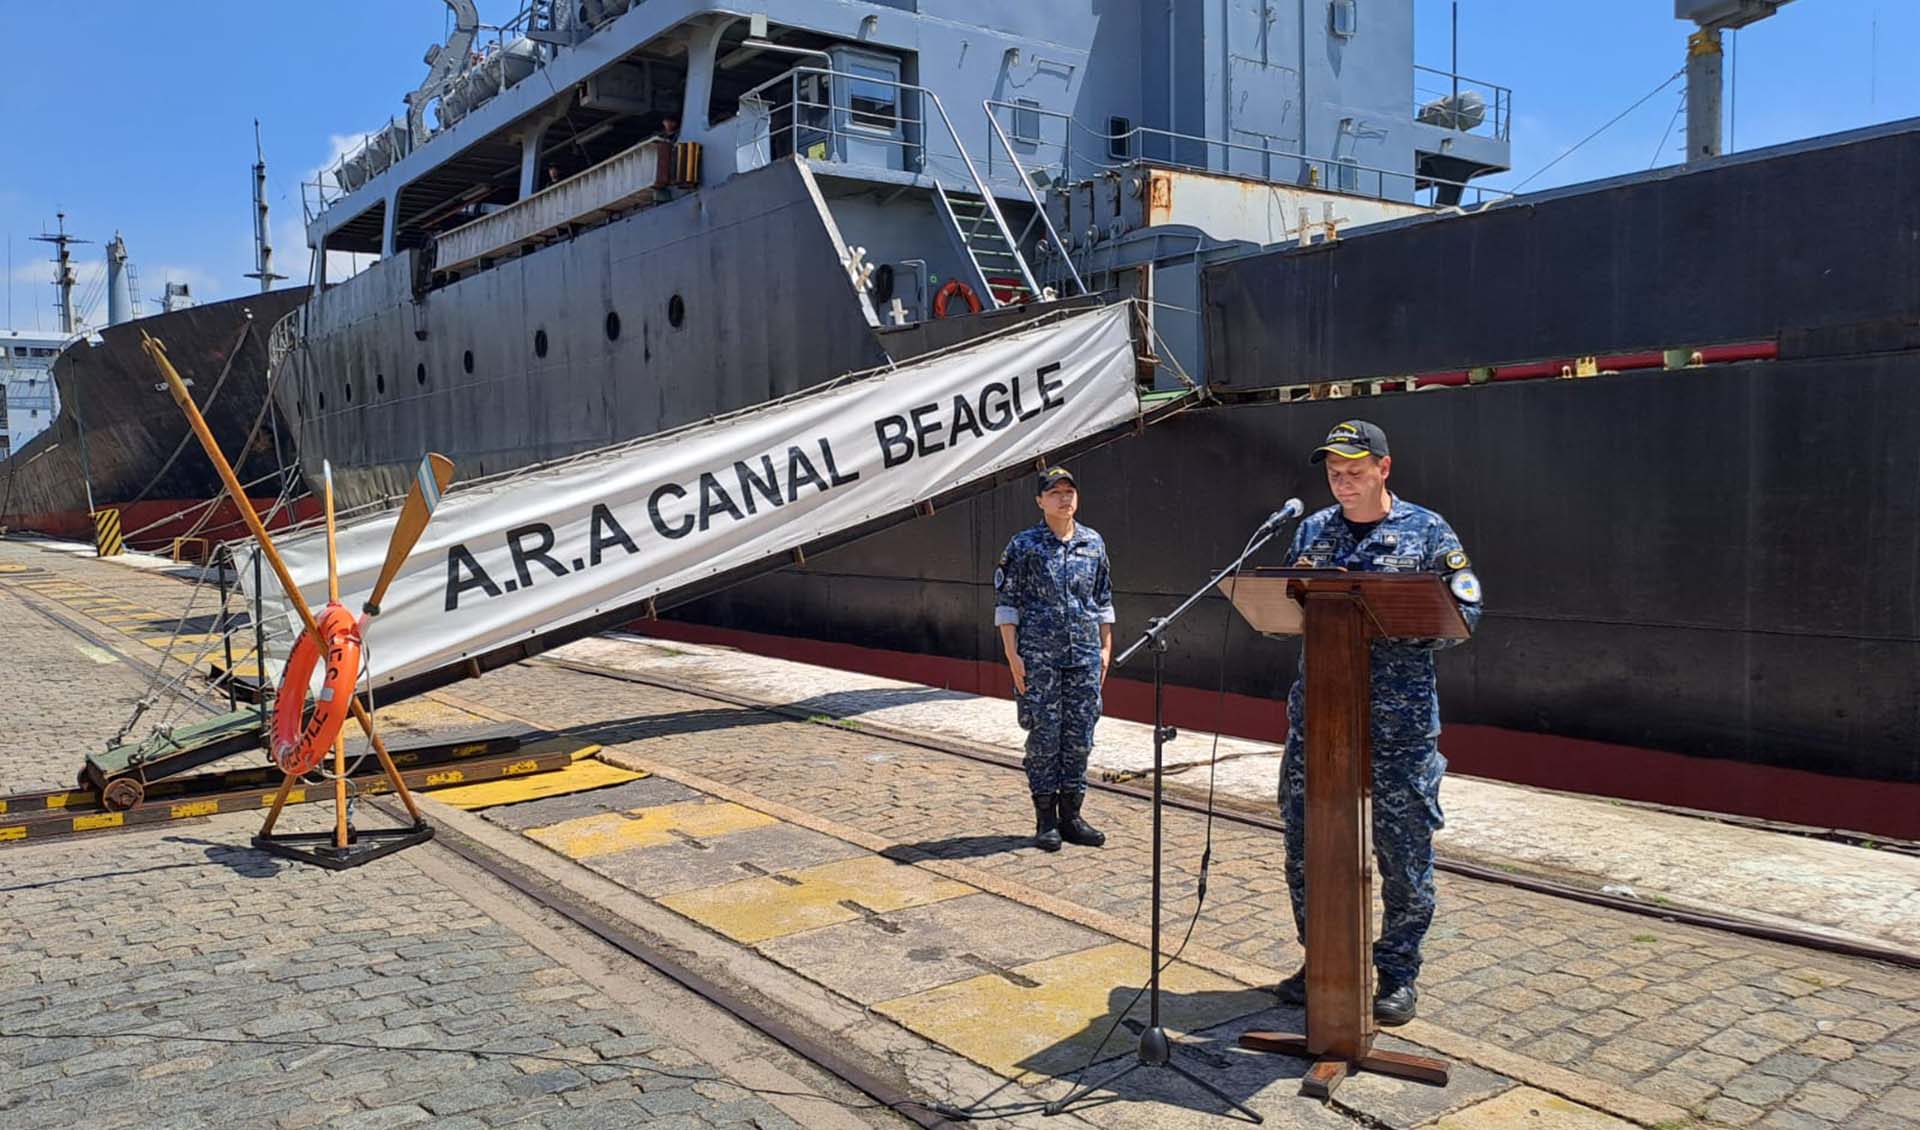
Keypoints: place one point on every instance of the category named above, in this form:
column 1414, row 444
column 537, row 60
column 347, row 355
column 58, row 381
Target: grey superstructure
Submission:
column 610, row 217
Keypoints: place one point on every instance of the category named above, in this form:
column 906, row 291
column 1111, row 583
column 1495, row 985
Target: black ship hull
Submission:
column 121, row 443
column 1702, row 581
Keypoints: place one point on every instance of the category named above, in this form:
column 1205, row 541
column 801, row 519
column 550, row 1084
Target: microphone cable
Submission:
column 981, row 1113
column 1206, row 852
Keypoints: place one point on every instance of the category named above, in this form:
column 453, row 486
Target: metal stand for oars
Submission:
column 345, row 846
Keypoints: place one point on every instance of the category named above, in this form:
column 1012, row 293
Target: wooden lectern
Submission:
column 1339, row 613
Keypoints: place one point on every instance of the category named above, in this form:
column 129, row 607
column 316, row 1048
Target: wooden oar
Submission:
column 436, row 471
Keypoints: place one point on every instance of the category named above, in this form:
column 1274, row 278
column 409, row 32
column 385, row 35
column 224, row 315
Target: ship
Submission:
column 117, row 443
column 607, row 219
column 91, row 432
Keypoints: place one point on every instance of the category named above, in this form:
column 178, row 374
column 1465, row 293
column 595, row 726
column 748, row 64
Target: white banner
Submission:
column 512, row 559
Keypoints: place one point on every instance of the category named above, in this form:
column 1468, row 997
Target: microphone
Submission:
column 1293, row 509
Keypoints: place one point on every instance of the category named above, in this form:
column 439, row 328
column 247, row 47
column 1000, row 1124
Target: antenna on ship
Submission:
column 63, row 277
column 262, row 246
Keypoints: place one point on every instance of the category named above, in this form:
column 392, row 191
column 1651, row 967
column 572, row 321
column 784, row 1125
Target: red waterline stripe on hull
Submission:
column 176, row 518
column 1614, row 363
column 1572, row 765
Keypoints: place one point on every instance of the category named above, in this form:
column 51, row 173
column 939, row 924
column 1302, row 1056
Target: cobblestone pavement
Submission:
column 1738, row 1032
column 203, row 985
column 170, row 979
column 1733, row 1031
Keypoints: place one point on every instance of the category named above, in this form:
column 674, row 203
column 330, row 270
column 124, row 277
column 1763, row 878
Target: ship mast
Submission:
column 1703, row 64
column 63, row 277
column 262, row 244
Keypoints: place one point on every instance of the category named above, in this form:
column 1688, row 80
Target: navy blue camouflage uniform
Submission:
column 1405, row 728
column 1057, row 593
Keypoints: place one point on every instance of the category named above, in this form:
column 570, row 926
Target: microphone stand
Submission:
column 1156, row 1049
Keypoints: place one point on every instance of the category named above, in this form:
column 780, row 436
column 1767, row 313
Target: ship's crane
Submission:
column 1711, row 17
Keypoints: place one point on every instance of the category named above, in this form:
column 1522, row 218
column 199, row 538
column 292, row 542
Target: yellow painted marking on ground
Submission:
column 99, row 820
column 13, row 568
column 99, row 655
column 413, row 711
column 1006, row 1027
column 194, row 808
column 587, row 751
column 575, row 778
column 1537, row 1110
column 588, row 836
column 16, row 832
column 754, row 910
column 185, row 640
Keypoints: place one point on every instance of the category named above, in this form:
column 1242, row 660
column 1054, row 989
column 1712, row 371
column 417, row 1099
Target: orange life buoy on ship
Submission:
column 297, row 748
column 953, row 287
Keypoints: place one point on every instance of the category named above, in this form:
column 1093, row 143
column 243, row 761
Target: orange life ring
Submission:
column 299, row 747
column 953, row 287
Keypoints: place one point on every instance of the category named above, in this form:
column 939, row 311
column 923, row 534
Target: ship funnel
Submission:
column 119, row 293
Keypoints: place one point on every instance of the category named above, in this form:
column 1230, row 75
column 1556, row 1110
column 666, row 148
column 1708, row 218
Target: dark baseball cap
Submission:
column 1051, row 476
column 1351, row 439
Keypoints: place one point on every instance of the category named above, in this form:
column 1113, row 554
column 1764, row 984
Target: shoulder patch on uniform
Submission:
column 1466, row 586
column 1456, row 559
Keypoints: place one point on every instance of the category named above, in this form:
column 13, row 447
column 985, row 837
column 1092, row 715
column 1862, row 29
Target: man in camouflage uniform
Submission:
column 1372, row 530
column 1054, row 609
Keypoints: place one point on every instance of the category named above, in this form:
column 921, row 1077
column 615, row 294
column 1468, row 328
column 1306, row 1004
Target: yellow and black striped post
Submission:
column 106, row 533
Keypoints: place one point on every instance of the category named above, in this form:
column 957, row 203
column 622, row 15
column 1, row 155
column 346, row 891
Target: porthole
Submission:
column 613, row 325
column 539, row 343
column 466, row 361
column 676, row 311
column 380, row 383
column 420, row 373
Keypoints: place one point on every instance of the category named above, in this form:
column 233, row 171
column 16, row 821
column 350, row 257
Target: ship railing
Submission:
column 1456, row 102
column 1054, row 159
column 804, row 112
column 1033, row 193
column 379, row 149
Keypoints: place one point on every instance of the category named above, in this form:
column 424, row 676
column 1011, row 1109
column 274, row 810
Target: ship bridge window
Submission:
column 871, row 97
column 1026, row 120
column 1119, row 138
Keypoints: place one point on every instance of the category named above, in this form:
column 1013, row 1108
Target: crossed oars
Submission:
column 436, row 472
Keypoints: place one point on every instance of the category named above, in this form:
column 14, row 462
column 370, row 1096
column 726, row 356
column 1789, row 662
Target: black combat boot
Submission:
column 1393, row 1004
column 1046, row 832
column 1073, row 829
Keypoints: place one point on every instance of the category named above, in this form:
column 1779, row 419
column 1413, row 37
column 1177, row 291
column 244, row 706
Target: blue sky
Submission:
column 138, row 116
